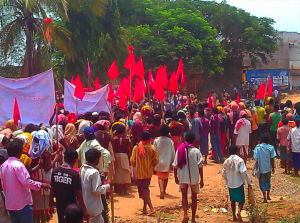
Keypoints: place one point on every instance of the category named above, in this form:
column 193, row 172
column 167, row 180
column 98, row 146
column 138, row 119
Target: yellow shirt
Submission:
column 146, row 164
column 261, row 112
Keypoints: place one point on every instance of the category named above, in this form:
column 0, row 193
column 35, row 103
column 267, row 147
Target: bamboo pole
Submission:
column 112, row 204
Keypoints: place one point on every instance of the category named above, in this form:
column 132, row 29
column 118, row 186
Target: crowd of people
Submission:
column 72, row 164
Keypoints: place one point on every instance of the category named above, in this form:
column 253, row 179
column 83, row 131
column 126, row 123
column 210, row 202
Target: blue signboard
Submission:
column 280, row 78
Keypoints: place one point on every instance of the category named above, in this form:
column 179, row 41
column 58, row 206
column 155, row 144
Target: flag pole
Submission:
column 76, row 106
column 265, row 96
column 130, row 83
column 56, row 133
column 112, row 204
column 149, row 92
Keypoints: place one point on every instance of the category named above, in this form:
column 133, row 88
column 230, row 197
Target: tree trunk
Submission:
column 27, row 69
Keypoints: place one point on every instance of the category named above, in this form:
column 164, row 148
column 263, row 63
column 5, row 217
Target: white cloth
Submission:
column 166, row 153
column 195, row 160
column 235, row 90
column 92, row 101
column 92, row 189
column 105, row 159
column 60, row 132
column 35, row 95
column 294, row 137
column 243, row 134
column 275, row 93
column 235, row 172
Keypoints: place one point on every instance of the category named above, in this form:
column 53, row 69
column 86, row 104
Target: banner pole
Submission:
column 76, row 106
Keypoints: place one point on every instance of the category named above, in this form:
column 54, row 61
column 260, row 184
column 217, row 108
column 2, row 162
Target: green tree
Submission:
column 23, row 21
column 100, row 38
column 239, row 32
column 171, row 33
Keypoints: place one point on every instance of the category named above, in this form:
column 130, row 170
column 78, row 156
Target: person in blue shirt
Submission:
column 264, row 154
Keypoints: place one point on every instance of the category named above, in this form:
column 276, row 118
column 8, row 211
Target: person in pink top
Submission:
column 282, row 143
column 16, row 184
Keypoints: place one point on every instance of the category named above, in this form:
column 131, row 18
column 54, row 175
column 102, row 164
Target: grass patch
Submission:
column 294, row 179
column 164, row 215
column 291, row 219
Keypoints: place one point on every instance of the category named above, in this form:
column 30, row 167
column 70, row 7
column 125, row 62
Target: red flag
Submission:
column 161, row 79
column 16, row 114
column 72, row 80
column 88, row 69
column 210, row 102
column 143, row 82
column 183, row 79
column 138, row 90
column 139, row 70
column 121, row 88
column 111, row 95
column 270, row 87
column 179, row 69
column 173, row 84
column 160, row 94
column 261, row 91
column 122, row 101
column 97, row 84
column 151, row 81
column 238, row 98
column 130, row 62
column 79, row 90
column 113, row 71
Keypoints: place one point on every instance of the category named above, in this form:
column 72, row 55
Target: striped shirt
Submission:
column 145, row 165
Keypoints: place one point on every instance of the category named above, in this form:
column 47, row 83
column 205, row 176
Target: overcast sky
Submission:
column 286, row 13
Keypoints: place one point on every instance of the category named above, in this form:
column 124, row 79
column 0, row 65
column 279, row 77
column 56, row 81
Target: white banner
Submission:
column 35, row 95
column 94, row 101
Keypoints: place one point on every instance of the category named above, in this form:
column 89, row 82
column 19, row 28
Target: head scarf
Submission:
column 268, row 100
column 242, row 113
column 145, row 109
column 137, row 117
column 27, row 147
column 181, row 111
column 51, row 135
column 37, row 149
column 70, row 133
column 242, row 106
column 11, row 125
column 234, row 106
column 24, row 139
column 60, row 118
column 241, row 121
column 71, row 118
column 7, row 133
column 82, row 126
column 104, row 123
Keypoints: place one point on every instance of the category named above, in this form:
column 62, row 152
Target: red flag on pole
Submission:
column 151, row 80
column 261, row 91
column 143, row 83
column 88, row 69
column 79, row 90
column 173, row 83
column 138, row 90
column 270, row 87
column 89, row 89
column 179, row 69
column 122, row 101
column 113, row 71
column 130, row 62
column 238, row 98
column 72, row 80
column 16, row 114
column 111, row 95
column 139, row 70
column 97, row 84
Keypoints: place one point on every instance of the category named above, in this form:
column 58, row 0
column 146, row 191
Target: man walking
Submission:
column 215, row 135
column 16, row 184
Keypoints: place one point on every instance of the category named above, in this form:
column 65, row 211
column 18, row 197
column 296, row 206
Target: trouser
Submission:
column 105, row 209
column 261, row 129
column 22, row 216
column 274, row 140
column 217, row 147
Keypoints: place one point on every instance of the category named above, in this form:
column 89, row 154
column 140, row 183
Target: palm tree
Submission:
column 23, row 20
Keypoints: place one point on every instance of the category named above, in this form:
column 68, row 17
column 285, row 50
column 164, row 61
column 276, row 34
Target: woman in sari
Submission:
column 122, row 151
column 176, row 130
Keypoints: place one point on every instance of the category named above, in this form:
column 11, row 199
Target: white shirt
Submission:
column 235, row 90
column 92, row 189
column 235, row 172
column 195, row 160
column 294, row 137
column 243, row 134
column 275, row 93
column 166, row 152
column 105, row 158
